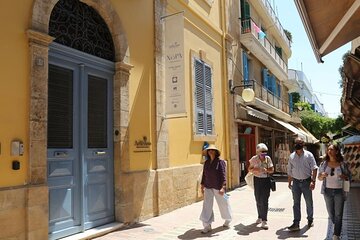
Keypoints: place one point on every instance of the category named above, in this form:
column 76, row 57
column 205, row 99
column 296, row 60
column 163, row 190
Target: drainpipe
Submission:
column 225, row 93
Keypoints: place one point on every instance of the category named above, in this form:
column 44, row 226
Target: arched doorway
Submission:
column 80, row 154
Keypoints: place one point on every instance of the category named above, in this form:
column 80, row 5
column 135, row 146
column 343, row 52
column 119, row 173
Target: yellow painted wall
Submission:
column 137, row 18
column 14, row 88
column 183, row 149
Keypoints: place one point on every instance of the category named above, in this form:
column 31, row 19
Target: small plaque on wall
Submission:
column 142, row 145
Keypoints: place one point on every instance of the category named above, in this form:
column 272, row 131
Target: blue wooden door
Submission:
column 80, row 149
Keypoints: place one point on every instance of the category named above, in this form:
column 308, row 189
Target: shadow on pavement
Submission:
column 247, row 229
column 284, row 233
column 133, row 226
column 196, row 233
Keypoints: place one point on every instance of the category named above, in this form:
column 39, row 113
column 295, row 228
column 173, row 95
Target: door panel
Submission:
column 98, row 150
column 246, row 151
column 63, row 161
column 80, row 148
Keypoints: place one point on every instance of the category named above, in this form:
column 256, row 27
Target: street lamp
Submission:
column 247, row 94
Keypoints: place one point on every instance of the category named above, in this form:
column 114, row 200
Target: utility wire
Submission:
column 332, row 94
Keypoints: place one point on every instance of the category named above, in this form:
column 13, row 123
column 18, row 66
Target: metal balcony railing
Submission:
column 261, row 92
column 247, row 27
column 271, row 12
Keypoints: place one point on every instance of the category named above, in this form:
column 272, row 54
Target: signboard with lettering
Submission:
column 142, row 145
column 174, row 65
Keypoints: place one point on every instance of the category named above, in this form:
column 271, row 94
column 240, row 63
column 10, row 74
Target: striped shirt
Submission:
column 301, row 167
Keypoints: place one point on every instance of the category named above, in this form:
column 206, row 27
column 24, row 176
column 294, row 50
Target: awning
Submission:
column 329, row 24
column 256, row 113
column 291, row 128
column 310, row 138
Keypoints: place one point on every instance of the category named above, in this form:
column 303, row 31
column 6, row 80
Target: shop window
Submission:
column 281, row 151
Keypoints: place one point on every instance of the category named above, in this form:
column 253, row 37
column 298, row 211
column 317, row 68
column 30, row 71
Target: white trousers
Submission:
column 207, row 213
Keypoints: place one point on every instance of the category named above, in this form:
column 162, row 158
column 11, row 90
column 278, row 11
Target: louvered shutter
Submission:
column 199, row 98
column 60, row 107
column 208, row 100
column 245, row 68
column 97, row 112
column 279, row 90
column 274, row 86
column 291, row 102
column 265, row 78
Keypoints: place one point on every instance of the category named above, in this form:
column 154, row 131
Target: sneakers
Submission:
column 336, row 237
column 226, row 223
column 310, row 224
column 258, row 221
column 206, row 229
column 294, row 227
column 264, row 225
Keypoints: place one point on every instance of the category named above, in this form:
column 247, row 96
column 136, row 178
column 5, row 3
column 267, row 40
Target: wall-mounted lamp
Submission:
column 247, row 94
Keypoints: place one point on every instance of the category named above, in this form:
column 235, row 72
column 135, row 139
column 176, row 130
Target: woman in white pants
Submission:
column 213, row 184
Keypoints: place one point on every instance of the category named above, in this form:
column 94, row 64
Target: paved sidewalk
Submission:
column 184, row 223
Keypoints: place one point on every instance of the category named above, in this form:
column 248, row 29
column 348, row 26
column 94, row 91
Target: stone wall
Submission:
column 178, row 187
column 146, row 194
column 143, row 195
column 16, row 205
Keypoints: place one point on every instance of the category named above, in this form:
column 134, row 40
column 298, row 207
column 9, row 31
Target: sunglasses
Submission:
column 332, row 172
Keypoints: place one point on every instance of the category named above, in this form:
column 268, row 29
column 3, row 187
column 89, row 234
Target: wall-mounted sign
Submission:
column 174, row 65
column 142, row 145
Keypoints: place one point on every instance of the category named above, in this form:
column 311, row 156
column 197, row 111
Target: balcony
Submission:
column 263, row 49
column 265, row 9
column 268, row 102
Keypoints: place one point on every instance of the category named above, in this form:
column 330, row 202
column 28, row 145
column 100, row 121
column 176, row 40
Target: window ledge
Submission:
column 202, row 138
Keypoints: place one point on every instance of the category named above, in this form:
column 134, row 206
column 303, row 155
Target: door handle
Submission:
column 60, row 154
column 100, row 152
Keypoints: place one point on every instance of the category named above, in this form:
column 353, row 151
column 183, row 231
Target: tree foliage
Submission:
column 288, row 34
column 295, row 99
column 303, row 106
column 341, row 69
column 319, row 125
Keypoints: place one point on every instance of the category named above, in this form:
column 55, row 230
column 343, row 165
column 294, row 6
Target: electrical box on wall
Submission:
column 17, row 148
column 15, row 165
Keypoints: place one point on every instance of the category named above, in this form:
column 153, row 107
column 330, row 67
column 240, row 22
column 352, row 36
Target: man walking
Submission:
column 302, row 171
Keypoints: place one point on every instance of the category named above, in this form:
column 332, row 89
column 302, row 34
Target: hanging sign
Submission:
column 174, row 65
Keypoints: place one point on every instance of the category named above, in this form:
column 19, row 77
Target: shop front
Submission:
column 278, row 143
column 246, row 148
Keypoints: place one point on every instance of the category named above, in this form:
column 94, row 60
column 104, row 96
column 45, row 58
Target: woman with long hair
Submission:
column 333, row 172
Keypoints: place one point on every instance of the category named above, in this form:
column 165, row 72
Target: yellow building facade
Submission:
column 105, row 108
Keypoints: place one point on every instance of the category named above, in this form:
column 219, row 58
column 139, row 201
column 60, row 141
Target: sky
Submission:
column 324, row 77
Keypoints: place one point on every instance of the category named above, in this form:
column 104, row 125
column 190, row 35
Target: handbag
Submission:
column 249, row 179
column 345, row 170
column 272, row 179
column 346, row 186
column 272, row 184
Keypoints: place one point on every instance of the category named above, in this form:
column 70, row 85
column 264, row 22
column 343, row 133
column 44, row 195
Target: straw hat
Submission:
column 213, row 147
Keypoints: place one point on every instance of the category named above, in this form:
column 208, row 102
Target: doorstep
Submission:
column 96, row 232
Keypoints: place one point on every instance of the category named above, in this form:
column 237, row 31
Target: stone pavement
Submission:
column 184, row 223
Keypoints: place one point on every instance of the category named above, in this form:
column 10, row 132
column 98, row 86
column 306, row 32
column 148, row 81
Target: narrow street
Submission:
column 184, row 223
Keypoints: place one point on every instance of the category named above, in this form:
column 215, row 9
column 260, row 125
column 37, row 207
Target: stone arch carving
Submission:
column 39, row 42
